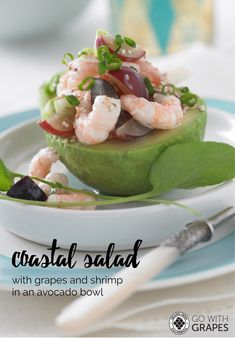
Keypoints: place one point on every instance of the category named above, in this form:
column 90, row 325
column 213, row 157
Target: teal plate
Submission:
column 210, row 261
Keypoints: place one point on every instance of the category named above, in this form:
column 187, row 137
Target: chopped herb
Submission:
column 149, row 86
column 102, row 67
column 118, row 40
column 116, row 64
column 168, row 89
column 86, row 51
column 107, row 61
column 91, row 82
column 73, row 100
column 130, row 42
column 188, row 99
column 67, row 58
column 184, row 89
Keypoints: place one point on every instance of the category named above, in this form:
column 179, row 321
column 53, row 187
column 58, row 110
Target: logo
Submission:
column 179, row 323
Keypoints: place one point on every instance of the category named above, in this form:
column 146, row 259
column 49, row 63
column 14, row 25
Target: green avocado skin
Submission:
column 122, row 168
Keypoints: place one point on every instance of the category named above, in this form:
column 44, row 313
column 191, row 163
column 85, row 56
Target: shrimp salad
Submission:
column 113, row 92
column 109, row 92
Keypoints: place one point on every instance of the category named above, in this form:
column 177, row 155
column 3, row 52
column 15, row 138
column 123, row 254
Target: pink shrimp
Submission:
column 165, row 115
column 76, row 197
column 54, row 177
column 41, row 163
column 147, row 69
column 94, row 127
column 78, row 70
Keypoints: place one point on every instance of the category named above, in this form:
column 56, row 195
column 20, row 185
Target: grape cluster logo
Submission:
column 179, row 323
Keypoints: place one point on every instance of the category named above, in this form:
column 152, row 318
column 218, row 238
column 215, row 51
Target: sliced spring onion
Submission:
column 115, row 64
column 67, row 58
column 184, row 89
column 73, row 100
column 149, row 86
column 118, row 40
column 168, row 89
column 107, row 61
column 188, row 99
column 86, row 51
column 91, row 82
column 130, row 42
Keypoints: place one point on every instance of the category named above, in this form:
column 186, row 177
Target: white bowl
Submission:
column 29, row 18
column 123, row 225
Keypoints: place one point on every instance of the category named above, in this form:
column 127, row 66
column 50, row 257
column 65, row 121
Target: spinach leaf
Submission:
column 6, row 177
column 192, row 165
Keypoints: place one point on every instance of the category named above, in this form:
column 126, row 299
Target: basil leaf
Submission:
column 6, row 177
column 192, row 165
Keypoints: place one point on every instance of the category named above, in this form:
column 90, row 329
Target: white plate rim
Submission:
column 189, row 279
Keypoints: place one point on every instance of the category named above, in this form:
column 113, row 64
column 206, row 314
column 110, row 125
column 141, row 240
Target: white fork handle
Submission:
column 84, row 311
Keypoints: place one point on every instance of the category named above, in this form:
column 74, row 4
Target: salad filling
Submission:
column 123, row 128
column 113, row 92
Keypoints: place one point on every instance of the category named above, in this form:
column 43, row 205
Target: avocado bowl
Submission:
column 121, row 168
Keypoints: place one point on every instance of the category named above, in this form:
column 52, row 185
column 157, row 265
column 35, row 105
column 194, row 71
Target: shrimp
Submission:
column 165, row 115
column 94, row 128
column 147, row 69
column 76, row 197
column 41, row 163
column 78, row 69
column 54, row 177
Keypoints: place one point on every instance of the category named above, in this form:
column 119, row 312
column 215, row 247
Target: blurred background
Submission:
column 35, row 34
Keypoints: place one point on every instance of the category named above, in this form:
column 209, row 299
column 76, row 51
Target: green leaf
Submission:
column 6, row 177
column 193, row 165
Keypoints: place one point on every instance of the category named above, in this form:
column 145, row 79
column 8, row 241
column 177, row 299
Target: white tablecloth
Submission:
column 22, row 69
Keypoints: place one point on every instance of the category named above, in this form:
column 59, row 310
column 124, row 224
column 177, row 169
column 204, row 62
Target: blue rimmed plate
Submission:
column 213, row 260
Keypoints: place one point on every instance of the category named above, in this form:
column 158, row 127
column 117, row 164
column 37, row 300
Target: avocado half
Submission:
column 122, row 167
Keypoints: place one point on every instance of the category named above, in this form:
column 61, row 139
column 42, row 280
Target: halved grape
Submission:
column 128, row 81
column 132, row 128
column 62, row 106
column 27, row 189
column 58, row 125
column 102, row 87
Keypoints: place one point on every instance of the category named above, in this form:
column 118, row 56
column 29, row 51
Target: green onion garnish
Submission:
column 102, row 67
column 107, row 61
column 149, row 86
column 118, row 40
column 91, row 82
column 114, row 64
column 67, row 58
column 130, row 42
column 72, row 100
column 188, row 99
column 168, row 89
column 86, row 51
column 184, row 89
